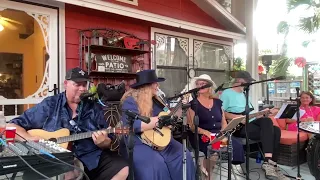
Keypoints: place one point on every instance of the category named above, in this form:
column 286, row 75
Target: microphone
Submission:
column 86, row 95
column 134, row 115
column 192, row 91
column 219, row 88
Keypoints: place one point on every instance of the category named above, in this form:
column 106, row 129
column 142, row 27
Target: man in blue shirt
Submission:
column 260, row 128
column 66, row 110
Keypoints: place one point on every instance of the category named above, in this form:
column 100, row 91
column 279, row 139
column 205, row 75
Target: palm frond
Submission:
column 310, row 24
column 283, row 28
column 292, row 4
column 305, row 44
column 280, row 66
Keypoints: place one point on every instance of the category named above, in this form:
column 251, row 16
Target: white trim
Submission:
column 227, row 14
column 62, row 40
column 138, row 14
column 134, row 2
column 190, row 38
column 62, row 37
column 219, row 8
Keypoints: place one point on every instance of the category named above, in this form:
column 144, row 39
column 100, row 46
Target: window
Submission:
column 212, row 59
column 133, row 2
column 175, row 53
column 171, row 56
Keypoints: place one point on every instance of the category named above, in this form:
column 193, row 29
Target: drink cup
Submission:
column 217, row 144
column 10, row 134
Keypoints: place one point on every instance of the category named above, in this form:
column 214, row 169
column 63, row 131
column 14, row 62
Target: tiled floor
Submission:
column 256, row 172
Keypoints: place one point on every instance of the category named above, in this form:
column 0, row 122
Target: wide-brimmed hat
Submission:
column 242, row 74
column 203, row 77
column 146, row 77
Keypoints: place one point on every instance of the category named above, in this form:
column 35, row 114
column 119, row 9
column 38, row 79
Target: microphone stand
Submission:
column 184, row 139
column 194, row 93
column 196, row 134
column 131, row 146
column 247, row 111
column 230, row 155
column 297, row 99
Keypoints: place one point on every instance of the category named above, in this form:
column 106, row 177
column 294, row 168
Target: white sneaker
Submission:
column 269, row 169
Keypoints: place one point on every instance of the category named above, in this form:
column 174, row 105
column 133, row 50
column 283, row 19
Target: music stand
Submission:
column 291, row 111
column 287, row 111
column 228, row 131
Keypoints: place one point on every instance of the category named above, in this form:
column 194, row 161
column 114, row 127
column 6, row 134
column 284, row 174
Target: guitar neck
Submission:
column 253, row 115
column 176, row 108
column 80, row 136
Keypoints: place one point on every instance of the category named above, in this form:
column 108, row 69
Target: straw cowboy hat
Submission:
column 203, row 77
column 146, row 77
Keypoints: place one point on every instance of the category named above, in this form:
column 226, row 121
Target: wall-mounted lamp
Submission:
column 1, row 27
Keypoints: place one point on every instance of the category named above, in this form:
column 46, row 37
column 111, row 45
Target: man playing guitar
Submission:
column 261, row 128
column 66, row 110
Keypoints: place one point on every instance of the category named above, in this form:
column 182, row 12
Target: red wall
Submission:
column 184, row 10
column 78, row 18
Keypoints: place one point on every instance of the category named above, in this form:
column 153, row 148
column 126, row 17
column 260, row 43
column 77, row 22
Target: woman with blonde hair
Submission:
column 151, row 164
column 211, row 120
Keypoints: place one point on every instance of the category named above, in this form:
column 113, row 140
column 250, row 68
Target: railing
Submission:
column 17, row 102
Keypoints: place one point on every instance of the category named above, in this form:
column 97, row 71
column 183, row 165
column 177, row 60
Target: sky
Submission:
column 268, row 14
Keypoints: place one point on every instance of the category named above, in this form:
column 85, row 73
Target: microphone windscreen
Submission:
column 280, row 78
column 101, row 89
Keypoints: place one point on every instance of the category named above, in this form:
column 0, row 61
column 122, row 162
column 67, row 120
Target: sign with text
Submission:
column 113, row 63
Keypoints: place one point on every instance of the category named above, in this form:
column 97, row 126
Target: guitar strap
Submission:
column 160, row 104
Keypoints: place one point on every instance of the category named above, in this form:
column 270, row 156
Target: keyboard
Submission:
column 30, row 152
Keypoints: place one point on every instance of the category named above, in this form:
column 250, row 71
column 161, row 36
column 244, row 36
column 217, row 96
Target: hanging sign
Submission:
column 113, row 63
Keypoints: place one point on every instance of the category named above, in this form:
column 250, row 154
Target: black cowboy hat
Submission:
column 146, row 77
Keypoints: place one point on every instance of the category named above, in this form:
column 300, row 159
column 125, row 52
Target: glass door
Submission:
column 28, row 55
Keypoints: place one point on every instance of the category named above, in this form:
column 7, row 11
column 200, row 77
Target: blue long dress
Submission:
column 210, row 119
column 152, row 164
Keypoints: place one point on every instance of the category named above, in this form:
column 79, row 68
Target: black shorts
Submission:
column 110, row 164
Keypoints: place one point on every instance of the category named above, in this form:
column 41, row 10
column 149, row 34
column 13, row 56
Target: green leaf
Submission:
column 310, row 24
column 292, row 4
column 238, row 64
column 305, row 44
column 280, row 66
column 283, row 28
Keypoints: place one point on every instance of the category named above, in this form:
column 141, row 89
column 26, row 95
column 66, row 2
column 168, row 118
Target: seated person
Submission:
column 311, row 112
column 211, row 119
column 149, row 163
column 66, row 110
column 261, row 128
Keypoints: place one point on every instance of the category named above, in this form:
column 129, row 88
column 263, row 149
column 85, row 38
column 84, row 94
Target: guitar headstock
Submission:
column 123, row 130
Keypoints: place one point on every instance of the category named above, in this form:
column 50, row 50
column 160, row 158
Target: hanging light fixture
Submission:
column 1, row 27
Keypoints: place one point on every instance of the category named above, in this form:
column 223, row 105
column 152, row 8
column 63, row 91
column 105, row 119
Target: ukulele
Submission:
column 159, row 138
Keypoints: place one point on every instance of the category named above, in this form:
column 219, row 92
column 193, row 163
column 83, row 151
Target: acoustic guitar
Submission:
column 160, row 138
column 63, row 137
